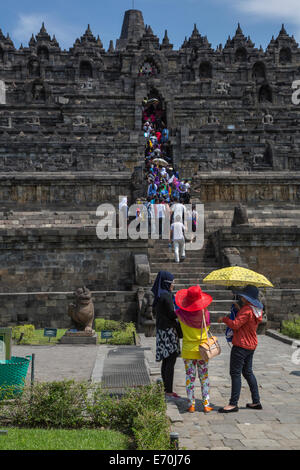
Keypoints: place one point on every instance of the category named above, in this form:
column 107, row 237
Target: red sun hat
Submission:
column 192, row 299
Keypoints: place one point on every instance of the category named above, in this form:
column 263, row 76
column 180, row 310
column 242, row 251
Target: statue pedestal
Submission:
column 79, row 337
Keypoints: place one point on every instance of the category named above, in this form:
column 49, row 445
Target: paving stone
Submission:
column 235, row 444
column 260, row 443
column 225, row 427
column 221, row 448
column 249, row 429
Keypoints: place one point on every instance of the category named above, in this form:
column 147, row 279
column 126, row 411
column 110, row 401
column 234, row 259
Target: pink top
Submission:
column 193, row 319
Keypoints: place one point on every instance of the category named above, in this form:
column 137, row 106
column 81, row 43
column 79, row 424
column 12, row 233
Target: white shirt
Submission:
column 161, row 210
column 178, row 209
column 177, row 231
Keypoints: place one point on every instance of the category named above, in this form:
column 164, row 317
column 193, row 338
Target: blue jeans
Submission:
column 241, row 363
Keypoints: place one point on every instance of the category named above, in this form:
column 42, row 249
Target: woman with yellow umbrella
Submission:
column 244, row 343
column 244, row 328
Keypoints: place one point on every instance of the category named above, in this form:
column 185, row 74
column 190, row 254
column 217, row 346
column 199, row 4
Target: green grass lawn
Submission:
column 40, row 339
column 121, row 336
column 60, row 439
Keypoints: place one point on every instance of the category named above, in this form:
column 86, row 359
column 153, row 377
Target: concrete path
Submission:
column 277, row 426
column 59, row 362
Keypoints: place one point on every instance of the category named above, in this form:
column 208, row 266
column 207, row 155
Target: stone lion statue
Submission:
column 82, row 310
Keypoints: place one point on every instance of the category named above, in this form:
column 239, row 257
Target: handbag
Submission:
column 211, row 348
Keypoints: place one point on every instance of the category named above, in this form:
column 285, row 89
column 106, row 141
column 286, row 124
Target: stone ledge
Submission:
column 284, row 339
column 173, row 413
column 103, row 177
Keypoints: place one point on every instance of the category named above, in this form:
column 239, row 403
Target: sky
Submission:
column 216, row 19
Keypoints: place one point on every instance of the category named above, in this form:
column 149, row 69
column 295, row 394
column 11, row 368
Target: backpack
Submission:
column 229, row 331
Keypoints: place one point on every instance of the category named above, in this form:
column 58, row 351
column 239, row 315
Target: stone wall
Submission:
column 49, row 309
column 283, row 304
column 35, row 191
column 34, row 260
column 234, row 187
column 273, row 252
column 228, row 107
column 30, row 150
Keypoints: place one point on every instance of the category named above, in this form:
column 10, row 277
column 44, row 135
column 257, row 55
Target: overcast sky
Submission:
column 217, row 19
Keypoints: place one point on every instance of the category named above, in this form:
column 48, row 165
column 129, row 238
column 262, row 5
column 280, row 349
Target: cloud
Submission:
column 270, row 10
column 28, row 24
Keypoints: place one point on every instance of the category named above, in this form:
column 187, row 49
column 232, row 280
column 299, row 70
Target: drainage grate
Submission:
column 124, row 367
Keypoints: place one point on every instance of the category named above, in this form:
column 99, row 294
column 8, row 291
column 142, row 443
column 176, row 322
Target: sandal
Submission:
column 191, row 409
column 253, row 406
column 207, row 409
column 172, row 395
column 232, row 410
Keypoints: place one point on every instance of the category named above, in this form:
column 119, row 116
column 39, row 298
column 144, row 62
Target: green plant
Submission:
column 23, row 333
column 62, row 439
column 120, row 413
column 291, row 328
column 140, row 413
column 53, row 404
column 151, row 431
column 112, row 325
column 123, row 333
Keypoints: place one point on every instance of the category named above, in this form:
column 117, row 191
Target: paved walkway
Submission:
column 277, row 426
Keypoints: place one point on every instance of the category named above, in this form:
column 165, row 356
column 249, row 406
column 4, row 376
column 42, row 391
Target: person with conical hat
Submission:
column 192, row 306
column 244, row 343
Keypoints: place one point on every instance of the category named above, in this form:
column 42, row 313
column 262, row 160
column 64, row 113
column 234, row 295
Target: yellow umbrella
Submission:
column 237, row 276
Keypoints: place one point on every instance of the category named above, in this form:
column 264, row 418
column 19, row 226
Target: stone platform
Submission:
column 79, row 337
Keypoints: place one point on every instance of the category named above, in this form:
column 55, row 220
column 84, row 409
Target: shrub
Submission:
column 23, row 333
column 151, row 431
column 50, row 404
column 291, row 328
column 102, row 324
column 140, row 413
column 120, row 413
column 122, row 332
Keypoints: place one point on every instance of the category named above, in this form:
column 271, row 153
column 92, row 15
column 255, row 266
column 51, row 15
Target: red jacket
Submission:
column 244, row 328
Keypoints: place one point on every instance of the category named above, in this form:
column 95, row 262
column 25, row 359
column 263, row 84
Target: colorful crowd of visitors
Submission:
column 167, row 194
column 164, row 184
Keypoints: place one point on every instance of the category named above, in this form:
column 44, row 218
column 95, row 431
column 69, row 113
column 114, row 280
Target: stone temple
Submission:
column 71, row 139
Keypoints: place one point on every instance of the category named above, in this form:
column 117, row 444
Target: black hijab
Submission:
column 161, row 285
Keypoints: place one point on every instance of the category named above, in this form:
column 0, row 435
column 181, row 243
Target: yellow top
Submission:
column 191, row 341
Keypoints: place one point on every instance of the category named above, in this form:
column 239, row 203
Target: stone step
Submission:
column 184, row 266
column 203, row 286
column 187, row 280
column 188, row 261
column 217, row 328
column 185, row 277
column 191, row 254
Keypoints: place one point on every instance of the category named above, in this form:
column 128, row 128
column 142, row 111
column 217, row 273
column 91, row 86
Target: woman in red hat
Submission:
column 192, row 305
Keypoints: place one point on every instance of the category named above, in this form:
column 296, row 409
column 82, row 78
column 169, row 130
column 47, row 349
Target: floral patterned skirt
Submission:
column 167, row 343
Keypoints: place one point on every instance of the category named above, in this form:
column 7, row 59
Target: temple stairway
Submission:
column 191, row 271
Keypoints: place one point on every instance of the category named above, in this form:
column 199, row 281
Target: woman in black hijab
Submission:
column 167, row 340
